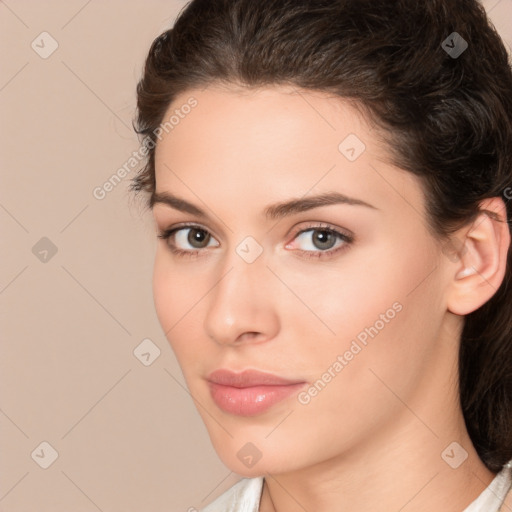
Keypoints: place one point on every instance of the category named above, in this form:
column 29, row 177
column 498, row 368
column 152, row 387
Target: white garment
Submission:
column 493, row 496
column 245, row 495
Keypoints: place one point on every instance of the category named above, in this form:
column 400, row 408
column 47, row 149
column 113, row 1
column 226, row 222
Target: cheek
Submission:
column 382, row 310
column 388, row 328
column 362, row 289
column 359, row 392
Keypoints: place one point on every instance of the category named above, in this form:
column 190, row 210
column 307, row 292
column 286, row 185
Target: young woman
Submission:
column 331, row 182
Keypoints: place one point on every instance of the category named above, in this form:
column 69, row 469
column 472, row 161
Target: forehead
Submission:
column 275, row 139
column 256, row 112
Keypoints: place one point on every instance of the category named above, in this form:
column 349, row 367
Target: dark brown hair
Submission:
column 446, row 118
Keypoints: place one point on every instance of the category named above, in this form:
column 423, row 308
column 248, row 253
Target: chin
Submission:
column 239, row 461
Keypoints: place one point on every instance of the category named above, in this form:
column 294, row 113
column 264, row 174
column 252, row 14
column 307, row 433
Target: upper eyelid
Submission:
column 342, row 233
column 311, row 225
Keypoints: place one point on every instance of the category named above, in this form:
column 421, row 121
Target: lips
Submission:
column 248, row 378
column 250, row 392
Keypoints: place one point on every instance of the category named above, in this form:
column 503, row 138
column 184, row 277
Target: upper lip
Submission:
column 248, row 378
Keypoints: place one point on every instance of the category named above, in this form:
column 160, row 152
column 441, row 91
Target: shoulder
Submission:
column 244, row 496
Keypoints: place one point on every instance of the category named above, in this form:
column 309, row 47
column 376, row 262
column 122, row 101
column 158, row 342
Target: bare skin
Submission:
column 377, row 435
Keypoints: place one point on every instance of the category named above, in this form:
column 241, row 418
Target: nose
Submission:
column 241, row 306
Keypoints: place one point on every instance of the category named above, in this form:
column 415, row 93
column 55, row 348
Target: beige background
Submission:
column 127, row 435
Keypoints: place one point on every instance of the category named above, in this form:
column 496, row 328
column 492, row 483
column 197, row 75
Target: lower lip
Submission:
column 252, row 400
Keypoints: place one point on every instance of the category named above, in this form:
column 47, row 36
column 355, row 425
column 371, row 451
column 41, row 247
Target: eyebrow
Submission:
column 273, row 211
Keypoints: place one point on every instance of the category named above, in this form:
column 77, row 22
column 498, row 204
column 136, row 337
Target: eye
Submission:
column 194, row 235
column 320, row 241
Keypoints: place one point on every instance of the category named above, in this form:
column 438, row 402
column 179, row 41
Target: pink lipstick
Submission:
column 250, row 392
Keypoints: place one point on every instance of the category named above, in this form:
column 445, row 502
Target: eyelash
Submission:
column 345, row 237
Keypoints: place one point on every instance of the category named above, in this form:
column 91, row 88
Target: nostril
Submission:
column 249, row 335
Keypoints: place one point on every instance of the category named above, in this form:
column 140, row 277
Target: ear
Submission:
column 478, row 271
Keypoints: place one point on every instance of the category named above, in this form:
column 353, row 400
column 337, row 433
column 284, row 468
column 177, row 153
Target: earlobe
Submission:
column 480, row 269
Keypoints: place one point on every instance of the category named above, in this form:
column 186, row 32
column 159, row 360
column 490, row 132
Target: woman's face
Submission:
column 345, row 300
